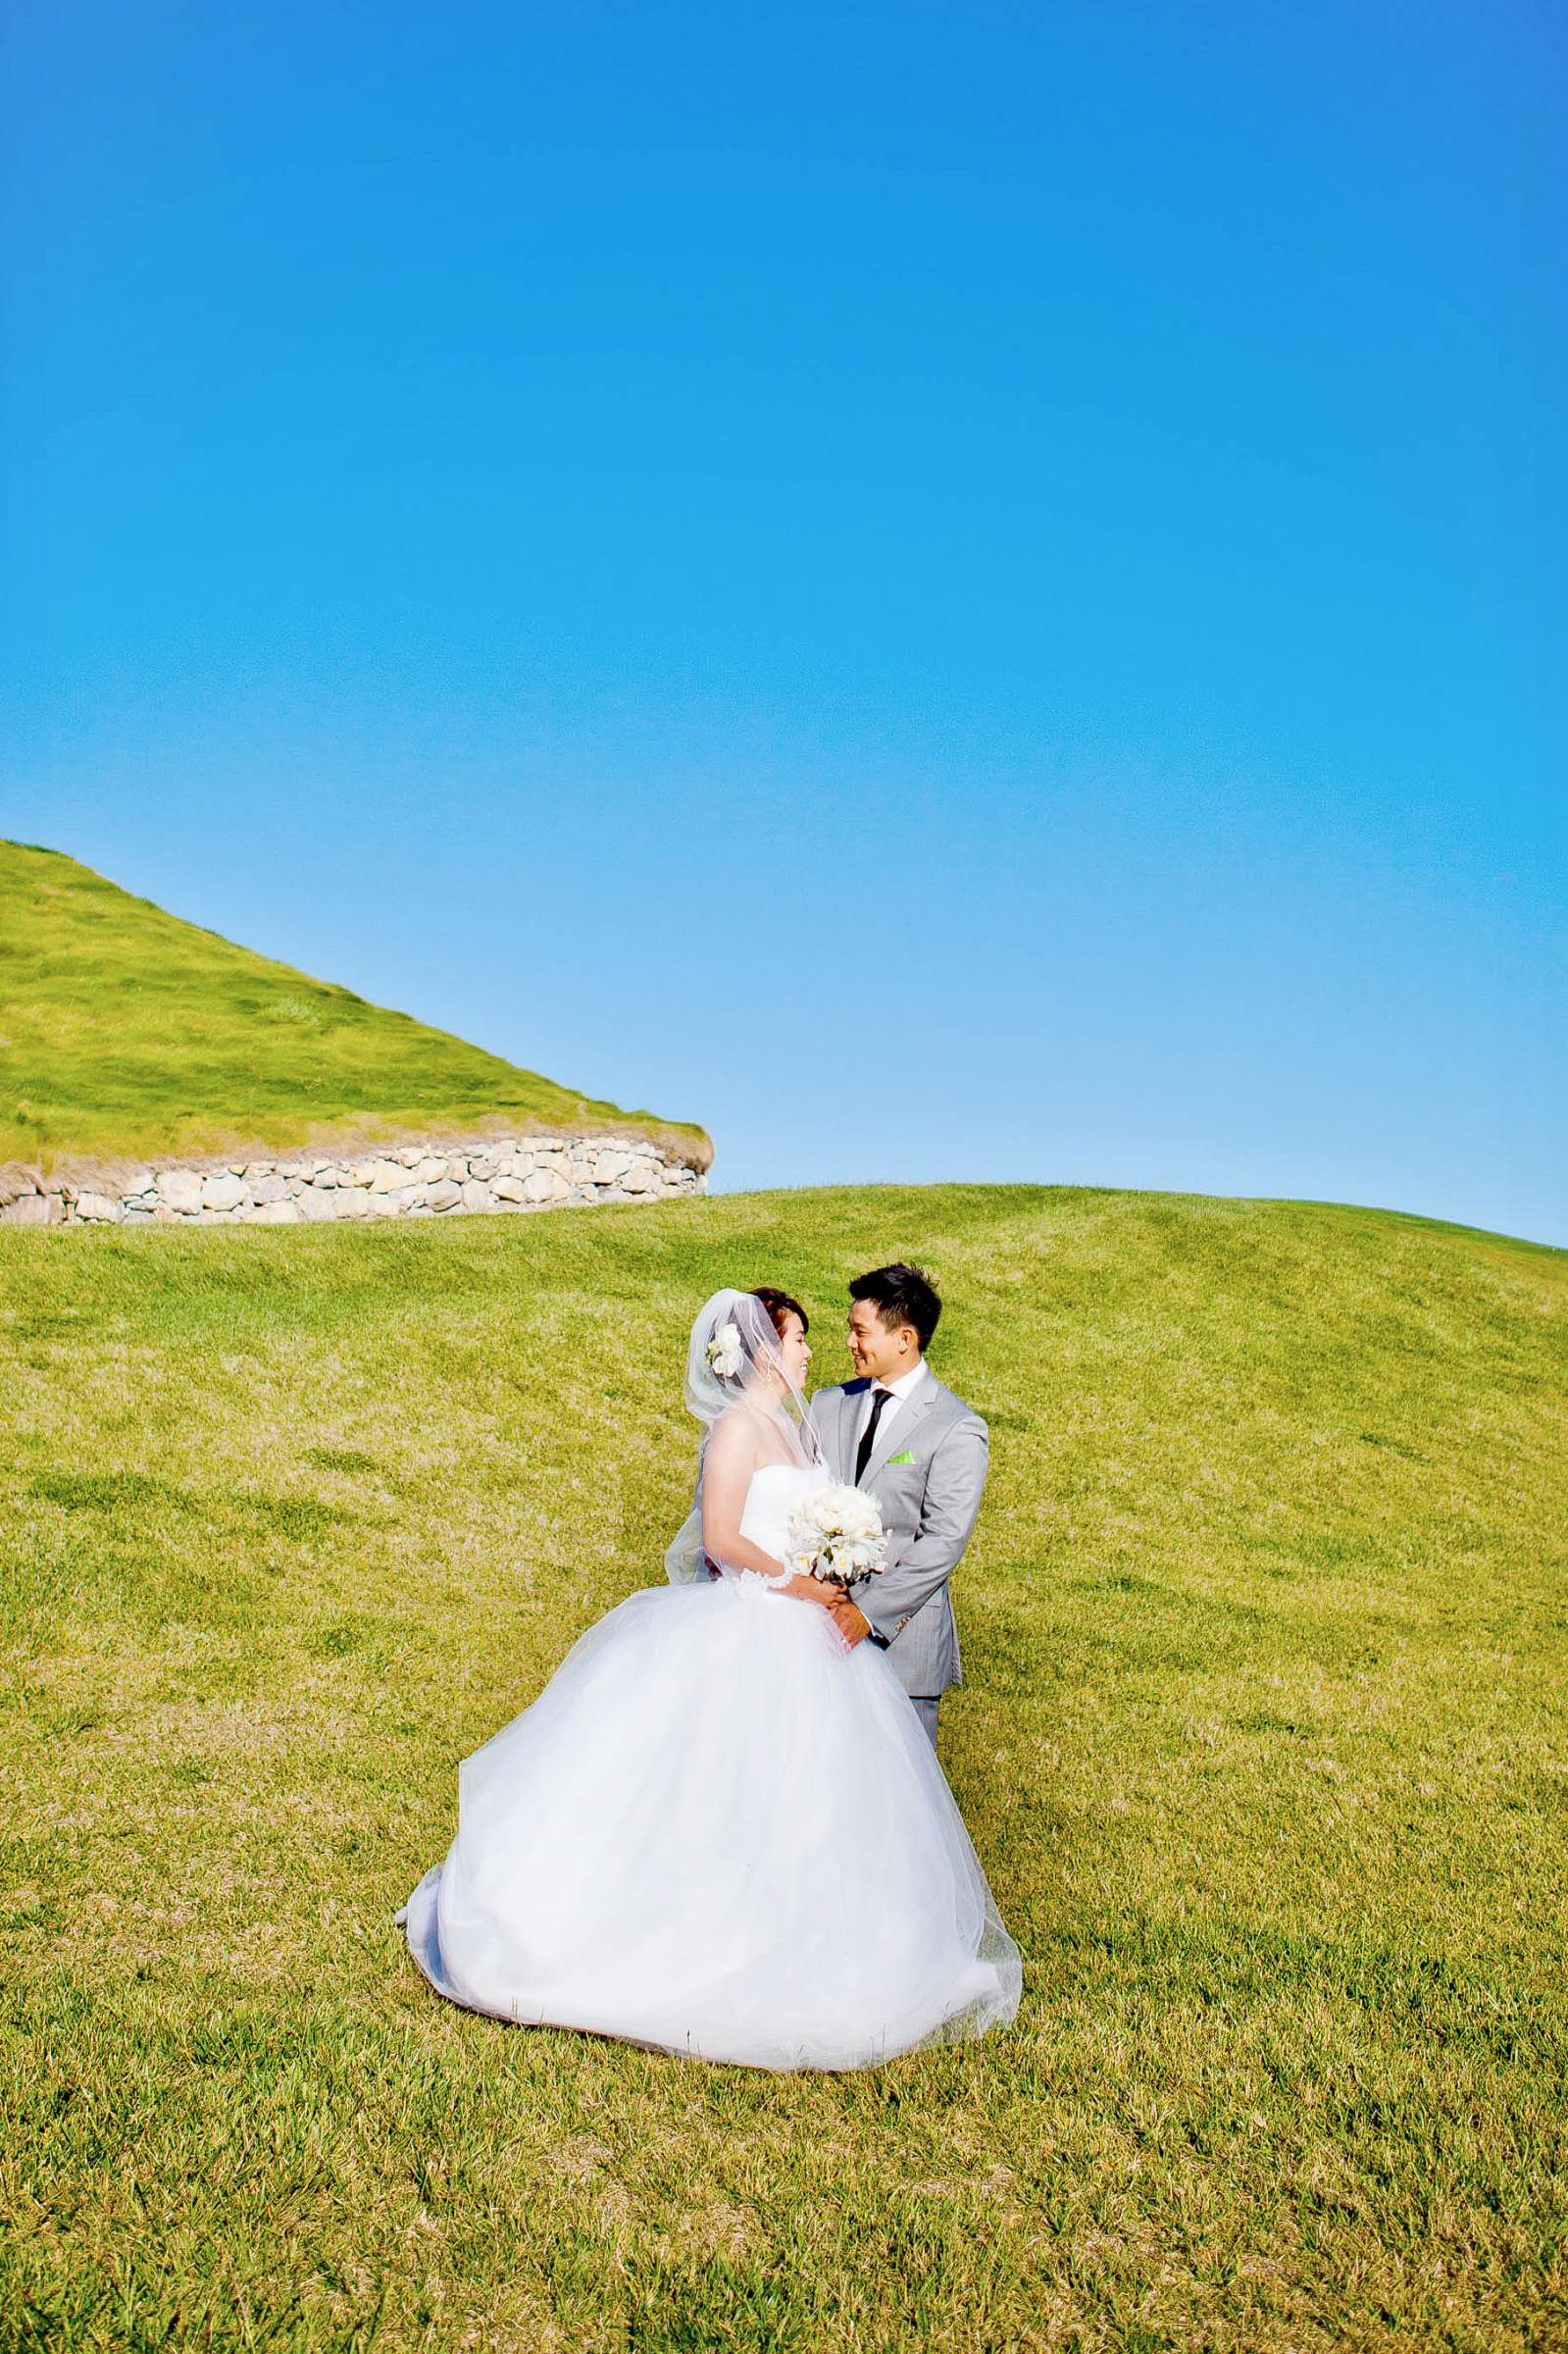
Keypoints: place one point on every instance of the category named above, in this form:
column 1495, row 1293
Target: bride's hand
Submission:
column 801, row 1588
column 851, row 1620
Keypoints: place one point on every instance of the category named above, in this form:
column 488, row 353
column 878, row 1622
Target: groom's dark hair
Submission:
column 901, row 1294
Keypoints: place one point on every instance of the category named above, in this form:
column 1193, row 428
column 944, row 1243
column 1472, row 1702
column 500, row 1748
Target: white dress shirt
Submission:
column 898, row 1392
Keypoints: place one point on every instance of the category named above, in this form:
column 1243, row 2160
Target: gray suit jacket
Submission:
column 929, row 1506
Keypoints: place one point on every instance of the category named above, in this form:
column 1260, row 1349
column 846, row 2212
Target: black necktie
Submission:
column 879, row 1399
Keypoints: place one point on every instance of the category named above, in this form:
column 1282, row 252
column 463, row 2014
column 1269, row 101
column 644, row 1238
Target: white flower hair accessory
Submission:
column 723, row 1353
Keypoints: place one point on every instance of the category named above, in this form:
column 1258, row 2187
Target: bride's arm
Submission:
column 727, row 1471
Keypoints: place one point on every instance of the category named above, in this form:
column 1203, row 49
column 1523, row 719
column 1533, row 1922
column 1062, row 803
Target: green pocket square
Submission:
column 905, row 1458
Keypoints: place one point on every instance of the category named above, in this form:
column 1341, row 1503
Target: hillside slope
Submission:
column 1261, row 1745
column 127, row 1032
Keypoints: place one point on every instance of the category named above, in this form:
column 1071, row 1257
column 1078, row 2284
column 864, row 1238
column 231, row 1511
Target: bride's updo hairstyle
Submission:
column 781, row 1306
column 735, row 1347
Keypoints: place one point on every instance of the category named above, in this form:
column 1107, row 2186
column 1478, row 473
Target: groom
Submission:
column 922, row 1452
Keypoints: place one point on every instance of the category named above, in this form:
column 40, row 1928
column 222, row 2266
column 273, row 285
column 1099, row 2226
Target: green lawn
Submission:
column 126, row 1034
column 1263, row 1750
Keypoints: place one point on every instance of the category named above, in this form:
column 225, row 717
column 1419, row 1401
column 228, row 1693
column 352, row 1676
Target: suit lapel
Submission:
column 851, row 1399
column 895, row 1438
column 839, row 1423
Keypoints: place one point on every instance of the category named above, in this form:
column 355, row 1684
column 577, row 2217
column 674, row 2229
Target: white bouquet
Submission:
column 836, row 1533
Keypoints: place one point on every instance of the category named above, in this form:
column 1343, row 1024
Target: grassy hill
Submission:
column 1262, row 1749
column 125, row 1033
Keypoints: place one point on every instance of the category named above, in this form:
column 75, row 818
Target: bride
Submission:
column 720, row 1830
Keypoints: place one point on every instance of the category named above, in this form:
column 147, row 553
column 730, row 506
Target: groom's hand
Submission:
column 851, row 1621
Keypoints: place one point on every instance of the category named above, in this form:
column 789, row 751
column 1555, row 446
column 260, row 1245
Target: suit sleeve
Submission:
column 954, row 1485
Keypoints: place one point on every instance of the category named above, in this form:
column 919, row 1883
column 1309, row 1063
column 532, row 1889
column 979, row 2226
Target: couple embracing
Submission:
column 721, row 1829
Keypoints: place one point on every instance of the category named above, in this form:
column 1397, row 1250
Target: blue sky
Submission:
column 952, row 591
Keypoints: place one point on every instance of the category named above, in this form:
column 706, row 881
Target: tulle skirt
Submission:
column 718, row 1832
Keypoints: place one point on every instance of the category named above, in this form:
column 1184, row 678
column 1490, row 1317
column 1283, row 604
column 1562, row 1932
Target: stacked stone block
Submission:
column 417, row 1181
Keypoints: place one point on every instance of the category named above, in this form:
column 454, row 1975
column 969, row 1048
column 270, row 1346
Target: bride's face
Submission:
column 795, row 1349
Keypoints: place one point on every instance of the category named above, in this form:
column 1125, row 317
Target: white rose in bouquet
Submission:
column 836, row 1533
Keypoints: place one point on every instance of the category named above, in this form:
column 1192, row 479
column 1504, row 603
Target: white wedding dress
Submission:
column 720, row 1832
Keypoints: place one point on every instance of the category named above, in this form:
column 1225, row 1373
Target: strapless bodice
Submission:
column 772, row 1497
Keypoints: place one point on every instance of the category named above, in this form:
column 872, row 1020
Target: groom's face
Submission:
column 879, row 1354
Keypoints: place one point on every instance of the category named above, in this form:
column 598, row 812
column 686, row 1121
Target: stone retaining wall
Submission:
column 417, row 1181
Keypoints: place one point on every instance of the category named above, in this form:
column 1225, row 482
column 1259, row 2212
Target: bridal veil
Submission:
column 735, row 1365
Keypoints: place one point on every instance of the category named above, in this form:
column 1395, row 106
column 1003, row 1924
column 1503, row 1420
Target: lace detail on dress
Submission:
column 754, row 1577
